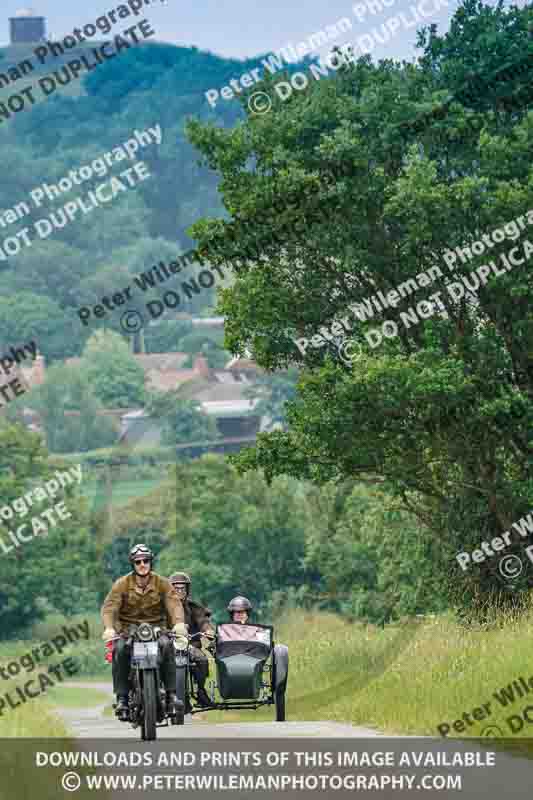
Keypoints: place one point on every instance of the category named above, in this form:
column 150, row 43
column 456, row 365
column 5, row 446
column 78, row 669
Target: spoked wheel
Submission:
column 181, row 683
column 182, row 694
column 280, row 670
column 148, row 728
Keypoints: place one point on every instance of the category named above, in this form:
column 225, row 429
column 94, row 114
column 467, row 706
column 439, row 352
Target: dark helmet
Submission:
column 140, row 551
column 239, row 603
column 181, row 577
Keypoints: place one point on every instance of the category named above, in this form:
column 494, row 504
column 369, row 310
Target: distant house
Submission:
column 220, row 393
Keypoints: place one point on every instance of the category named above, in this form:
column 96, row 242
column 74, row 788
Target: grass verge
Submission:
column 74, row 697
column 404, row 679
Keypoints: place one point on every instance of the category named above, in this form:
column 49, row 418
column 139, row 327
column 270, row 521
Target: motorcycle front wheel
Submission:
column 148, row 728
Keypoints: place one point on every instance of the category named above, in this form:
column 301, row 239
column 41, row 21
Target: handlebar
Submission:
column 128, row 634
column 201, row 633
column 170, row 634
column 190, row 637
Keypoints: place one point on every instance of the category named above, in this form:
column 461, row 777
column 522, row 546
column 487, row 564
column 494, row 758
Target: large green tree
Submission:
column 444, row 411
column 182, row 419
column 27, row 316
column 370, row 558
column 232, row 534
column 205, row 344
column 116, row 378
column 60, row 566
column 71, row 414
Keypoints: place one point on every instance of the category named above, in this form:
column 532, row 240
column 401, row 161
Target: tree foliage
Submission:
column 60, row 566
column 234, row 535
column 116, row 378
column 69, row 411
column 444, row 411
column 99, row 253
column 182, row 419
column 273, row 392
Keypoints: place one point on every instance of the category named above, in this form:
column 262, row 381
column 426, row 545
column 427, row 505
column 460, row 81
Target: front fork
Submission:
column 136, row 697
column 183, row 677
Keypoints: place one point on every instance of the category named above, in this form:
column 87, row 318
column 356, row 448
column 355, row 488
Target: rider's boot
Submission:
column 201, row 672
column 122, row 710
column 173, row 704
column 203, row 697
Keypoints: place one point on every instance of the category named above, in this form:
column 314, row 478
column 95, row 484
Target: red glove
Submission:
column 109, row 652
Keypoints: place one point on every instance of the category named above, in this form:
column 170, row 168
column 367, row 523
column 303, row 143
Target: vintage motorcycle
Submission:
column 147, row 706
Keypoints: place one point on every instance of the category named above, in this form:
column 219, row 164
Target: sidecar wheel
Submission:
column 280, row 705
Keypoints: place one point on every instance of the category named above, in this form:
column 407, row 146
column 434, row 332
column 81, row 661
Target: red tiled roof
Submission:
column 161, row 361
column 169, row 379
column 165, row 372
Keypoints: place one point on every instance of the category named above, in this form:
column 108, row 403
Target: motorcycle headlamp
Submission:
column 144, row 632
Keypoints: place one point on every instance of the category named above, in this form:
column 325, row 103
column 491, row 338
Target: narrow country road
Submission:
column 512, row 779
column 90, row 723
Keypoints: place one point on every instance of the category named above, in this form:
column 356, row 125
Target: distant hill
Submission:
column 209, row 70
column 149, row 84
column 13, row 55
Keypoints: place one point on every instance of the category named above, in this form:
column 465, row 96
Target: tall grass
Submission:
column 88, row 654
column 405, row 678
column 401, row 679
column 32, row 719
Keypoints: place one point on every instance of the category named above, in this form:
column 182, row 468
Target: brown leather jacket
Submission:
column 126, row 604
column 198, row 618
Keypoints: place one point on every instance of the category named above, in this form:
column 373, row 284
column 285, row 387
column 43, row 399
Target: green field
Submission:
column 122, row 492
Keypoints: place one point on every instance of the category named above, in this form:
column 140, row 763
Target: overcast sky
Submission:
column 239, row 28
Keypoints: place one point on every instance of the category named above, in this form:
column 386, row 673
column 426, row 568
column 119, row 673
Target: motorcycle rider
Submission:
column 141, row 596
column 198, row 620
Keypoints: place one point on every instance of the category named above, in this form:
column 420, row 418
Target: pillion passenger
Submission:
column 198, row 620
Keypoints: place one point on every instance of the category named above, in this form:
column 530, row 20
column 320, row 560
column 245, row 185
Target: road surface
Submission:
column 512, row 778
column 90, row 723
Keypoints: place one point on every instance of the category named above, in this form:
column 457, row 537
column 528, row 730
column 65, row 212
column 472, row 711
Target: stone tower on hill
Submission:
column 26, row 28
